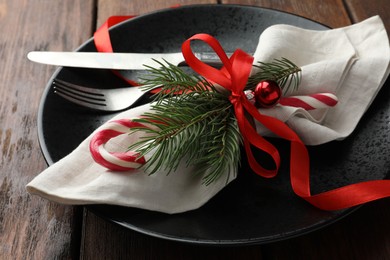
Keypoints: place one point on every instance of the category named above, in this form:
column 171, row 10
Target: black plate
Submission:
column 251, row 209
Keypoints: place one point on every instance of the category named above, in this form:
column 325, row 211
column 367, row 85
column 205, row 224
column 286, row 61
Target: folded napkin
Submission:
column 77, row 179
column 351, row 62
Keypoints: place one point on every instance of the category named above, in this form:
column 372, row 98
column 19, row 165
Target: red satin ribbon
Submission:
column 233, row 76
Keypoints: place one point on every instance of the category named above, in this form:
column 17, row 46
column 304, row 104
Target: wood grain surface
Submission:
column 319, row 11
column 33, row 228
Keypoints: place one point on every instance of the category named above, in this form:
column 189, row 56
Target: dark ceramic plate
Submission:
column 251, row 209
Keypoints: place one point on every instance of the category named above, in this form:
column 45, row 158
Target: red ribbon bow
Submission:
column 233, row 77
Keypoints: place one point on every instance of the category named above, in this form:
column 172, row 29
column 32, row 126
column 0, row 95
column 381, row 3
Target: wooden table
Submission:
column 33, row 228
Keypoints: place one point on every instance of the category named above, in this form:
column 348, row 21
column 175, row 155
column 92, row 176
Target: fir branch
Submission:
column 197, row 127
column 283, row 71
column 172, row 80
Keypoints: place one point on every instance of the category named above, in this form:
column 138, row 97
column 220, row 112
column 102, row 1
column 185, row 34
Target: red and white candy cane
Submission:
column 310, row 102
column 116, row 161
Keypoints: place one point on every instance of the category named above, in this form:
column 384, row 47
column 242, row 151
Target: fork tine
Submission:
column 76, row 90
column 81, row 101
column 77, row 94
column 98, row 99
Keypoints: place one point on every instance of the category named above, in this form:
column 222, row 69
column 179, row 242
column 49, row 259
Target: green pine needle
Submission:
column 283, row 71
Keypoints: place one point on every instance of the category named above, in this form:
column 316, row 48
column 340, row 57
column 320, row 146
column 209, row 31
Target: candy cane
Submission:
column 114, row 160
column 310, row 102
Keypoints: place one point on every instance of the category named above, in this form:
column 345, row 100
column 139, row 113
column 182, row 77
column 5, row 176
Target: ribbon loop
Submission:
column 233, row 76
column 102, row 38
column 213, row 74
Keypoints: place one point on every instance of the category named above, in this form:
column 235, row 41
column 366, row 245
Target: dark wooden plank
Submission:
column 331, row 12
column 32, row 228
column 362, row 9
column 108, row 8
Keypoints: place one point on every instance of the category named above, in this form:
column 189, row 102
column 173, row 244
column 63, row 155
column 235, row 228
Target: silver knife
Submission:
column 116, row 61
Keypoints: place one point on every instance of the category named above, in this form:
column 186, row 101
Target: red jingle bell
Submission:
column 267, row 93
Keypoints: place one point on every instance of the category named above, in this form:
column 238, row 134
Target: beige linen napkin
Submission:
column 77, row 179
column 352, row 62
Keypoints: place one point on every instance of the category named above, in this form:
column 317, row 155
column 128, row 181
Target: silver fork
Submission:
column 108, row 100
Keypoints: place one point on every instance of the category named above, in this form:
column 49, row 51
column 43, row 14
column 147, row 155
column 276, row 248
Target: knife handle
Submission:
column 210, row 58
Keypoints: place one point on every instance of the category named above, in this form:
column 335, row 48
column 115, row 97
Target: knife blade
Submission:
column 116, row 61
